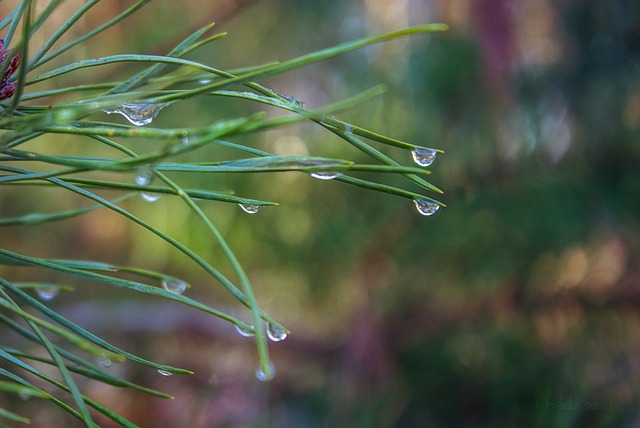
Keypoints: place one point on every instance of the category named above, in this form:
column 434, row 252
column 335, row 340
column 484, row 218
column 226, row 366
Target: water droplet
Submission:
column 267, row 374
column 23, row 396
column 164, row 372
column 251, row 209
column 150, row 196
column 426, row 207
column 144, row 175
column 103, row 361
column 275, row 333
column 47, row 293
column 139, row 113
column 174, row 285
column 326, row 175
column 294, row 100
column 245, row 331
column 424, row 157
column 205, row 81
column 186, row 141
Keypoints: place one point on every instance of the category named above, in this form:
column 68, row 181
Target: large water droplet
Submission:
column 244, row 331
column 47, row 293
column 251, row 209
column 144, row 175
column 426, row 207
column 326, row 175
column 164, row 372
column 139, row 113
column 150, row 196
column 174, row 285
column 266, row 374
column 424, row 157
column 275, row 333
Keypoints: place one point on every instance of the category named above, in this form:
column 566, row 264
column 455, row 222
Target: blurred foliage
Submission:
column 517, row 305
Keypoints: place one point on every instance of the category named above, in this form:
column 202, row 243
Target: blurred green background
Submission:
column 516, row 305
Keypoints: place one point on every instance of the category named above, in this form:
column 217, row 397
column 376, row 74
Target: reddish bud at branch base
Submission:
column 7, row 89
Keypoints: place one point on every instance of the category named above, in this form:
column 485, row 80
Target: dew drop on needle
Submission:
column 139, row 113
column 266, row 374
column 174, row 285
column 244, row 331
column 426, row 207
column 249, row 208
column 47, row 293
column 424, row 157
column 144, row 175
column 326, row 175
column 275, row 333
column 150, row 196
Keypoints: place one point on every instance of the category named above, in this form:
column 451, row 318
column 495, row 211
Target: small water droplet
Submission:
column 164, row 372
column 244, row 331
column 294, row 100
column 174, row 285
column 150, row 196
column 426, row 207
column 267, row 374
column 250, row 209
column 139, row 113
column 23, row 396
column 424, row 157
column 326, row 175
column 47, row 293
column 103, row 361
column 275, row 333
column 144, row 175
column 186, row 141
column 205, row 81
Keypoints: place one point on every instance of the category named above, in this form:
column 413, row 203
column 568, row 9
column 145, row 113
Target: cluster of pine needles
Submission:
column 168, row 79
